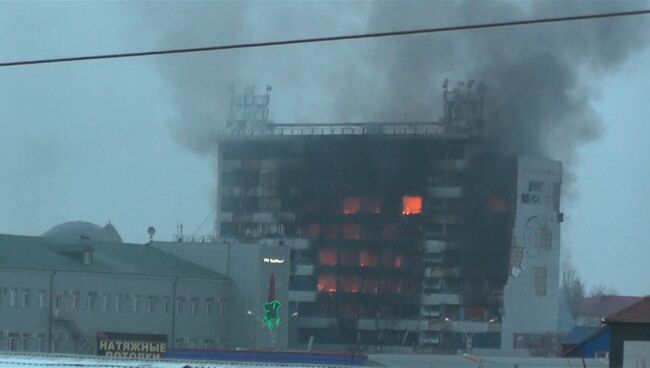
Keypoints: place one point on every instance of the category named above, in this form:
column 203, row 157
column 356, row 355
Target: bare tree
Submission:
column 600, row 290
column 573, row 287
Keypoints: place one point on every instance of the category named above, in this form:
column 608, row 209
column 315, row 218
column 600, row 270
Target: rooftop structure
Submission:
column 463, row 117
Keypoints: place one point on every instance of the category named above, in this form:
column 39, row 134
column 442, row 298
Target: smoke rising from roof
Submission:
column 537, row 99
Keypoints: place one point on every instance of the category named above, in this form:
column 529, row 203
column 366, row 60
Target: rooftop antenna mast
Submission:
column 249, row 112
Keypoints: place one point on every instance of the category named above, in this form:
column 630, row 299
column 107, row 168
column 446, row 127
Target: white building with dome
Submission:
column 76, row 230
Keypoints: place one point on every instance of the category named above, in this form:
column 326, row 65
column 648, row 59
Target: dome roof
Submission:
column 74, row 230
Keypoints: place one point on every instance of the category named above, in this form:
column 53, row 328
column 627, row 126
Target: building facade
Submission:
column 253, row 269
column 531, row 294
column 400, row 234
column 64, row 292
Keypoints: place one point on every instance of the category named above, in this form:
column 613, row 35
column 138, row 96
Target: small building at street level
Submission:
column 630, row 335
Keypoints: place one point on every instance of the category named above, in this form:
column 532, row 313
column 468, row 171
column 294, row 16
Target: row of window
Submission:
column 363, row 258
column 14, row 297
column 25, row 342
column 137, row 303
column 368, row 284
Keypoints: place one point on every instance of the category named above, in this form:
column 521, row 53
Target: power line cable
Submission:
column 326, row 39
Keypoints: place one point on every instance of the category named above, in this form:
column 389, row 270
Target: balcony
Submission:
column 297, row 244
column 435, row 340
column 444, row 219
column 303, row 270
column 238, row 191
column 437, row 299
column 370, row 324
column 438, row 272
column 437, row 246
column 474, row 326
column 449, row 164
column 317, row 322
column 445, row 192
column 257, row 217
column 302, row 296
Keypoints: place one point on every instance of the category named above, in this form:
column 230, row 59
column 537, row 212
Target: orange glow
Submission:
column 473, row 312
column 411, row 205
column 368, row 258
column 498, row 205
column 326, row 283
column 327, row 257
column 351, row 205
column 398, row 262
column 312, row 231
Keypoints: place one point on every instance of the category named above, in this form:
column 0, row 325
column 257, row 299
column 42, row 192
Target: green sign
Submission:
column 271, row 315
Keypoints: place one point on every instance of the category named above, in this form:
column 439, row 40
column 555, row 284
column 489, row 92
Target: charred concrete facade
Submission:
column 400, row 233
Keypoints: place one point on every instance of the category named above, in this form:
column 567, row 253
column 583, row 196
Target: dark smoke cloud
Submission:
column 537, row 101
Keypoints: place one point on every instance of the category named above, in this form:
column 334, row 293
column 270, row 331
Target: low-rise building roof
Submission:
column 578, row 334
column 43, row 253
column 604, row 305
column 638, row 312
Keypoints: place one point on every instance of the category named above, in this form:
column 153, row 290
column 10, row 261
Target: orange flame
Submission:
column 411, row 205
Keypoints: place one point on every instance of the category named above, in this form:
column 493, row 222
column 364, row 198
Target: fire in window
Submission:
column 411, row 205
column 326, row 283
column 351, row 205
column 473, row 313
column 327, row 257
column 397, row 263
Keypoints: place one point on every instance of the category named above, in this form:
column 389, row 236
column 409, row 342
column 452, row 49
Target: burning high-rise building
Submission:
column 401, row 234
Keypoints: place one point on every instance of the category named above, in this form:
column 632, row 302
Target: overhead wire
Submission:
column 325, row 39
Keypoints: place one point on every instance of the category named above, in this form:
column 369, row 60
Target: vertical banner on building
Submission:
column 126, row 345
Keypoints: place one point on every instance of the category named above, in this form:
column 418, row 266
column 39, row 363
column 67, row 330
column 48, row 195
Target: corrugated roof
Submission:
column 635, row 313
column 578, row 345
column 578, row 334
column 40, row 253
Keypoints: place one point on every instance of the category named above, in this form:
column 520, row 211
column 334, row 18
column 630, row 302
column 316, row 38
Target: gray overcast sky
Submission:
column 97, row 140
